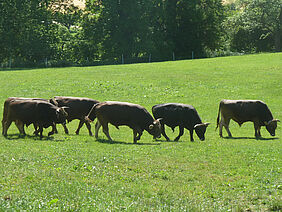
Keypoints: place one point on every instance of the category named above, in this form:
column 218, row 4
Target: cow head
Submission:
column 61, row 115
column 155, row 129
column 271, row 126
column 200, row 130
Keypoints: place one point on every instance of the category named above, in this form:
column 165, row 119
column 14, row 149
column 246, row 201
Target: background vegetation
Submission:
column 56, row 33
column 80, row 173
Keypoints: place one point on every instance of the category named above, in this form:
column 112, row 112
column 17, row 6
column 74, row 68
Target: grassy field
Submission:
column 80, row 173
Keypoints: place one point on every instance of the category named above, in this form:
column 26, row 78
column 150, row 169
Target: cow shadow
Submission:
column 250, row 138
column 34, row 137
column 168, row 141
column 105, row 141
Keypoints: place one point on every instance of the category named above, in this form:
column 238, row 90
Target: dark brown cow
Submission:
column 25, row 112
column 6, row 106
column 243, row 111
column 77, row 108
column 122, row 113
column 181, row 115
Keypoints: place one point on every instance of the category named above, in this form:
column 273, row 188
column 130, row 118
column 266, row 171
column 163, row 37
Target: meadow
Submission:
column 79, row 173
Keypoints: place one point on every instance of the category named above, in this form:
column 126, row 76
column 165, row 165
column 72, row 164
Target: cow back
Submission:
column 246, row 110
column 77, row 108
column 175, row 114
column 123, row 113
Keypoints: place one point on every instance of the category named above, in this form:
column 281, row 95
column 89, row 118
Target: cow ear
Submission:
column 151, row 126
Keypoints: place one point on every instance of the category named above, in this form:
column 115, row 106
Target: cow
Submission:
column 123, row 113
column 40, row 113
column 242, row 111
column 77, row 108
column 181, row 115
column 6, row 106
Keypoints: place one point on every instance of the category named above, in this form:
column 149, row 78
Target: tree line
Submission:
column 57, row 33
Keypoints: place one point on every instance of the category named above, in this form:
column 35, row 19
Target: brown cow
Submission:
column 123, row 113
column 243, row 111
column 6, row 106
column 77, row 108
column 25, row 112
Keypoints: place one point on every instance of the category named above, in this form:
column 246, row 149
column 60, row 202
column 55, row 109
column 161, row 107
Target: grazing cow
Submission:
column 181, row 115
column 40, row 113
column 77, row 108
column 122, row 113
column 243, row 111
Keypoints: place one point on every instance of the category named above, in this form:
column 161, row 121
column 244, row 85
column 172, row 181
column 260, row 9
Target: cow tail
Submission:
column 93, row 112
column 218, row 116
column 5, row 111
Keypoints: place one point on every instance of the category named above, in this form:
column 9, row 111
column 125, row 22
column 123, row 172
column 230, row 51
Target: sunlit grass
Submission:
column 70, row 172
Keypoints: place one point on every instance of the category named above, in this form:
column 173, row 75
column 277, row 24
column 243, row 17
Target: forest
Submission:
column 41, row 33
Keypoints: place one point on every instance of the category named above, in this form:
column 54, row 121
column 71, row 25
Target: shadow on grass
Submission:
column 251, row 138
column 169, row 141
column 34, row 137
column 104, row 141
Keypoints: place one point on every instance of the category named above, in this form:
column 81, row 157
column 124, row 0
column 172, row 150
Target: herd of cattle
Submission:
column 43, row 113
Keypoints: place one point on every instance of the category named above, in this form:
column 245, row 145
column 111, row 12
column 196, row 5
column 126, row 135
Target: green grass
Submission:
column 80, row 173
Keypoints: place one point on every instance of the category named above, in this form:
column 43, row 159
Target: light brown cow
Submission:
column 242, row 111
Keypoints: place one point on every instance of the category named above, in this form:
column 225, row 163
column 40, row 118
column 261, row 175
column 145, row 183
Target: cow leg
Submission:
column 3, row 122
column 191, row 135
column 181, row 132
column 79, row 126
column 6, row 125
column 35, row 129
column 40, row 131
column 53, row 131
column 220, row 127
column 89, row 128
column 55, row 128
column 225, row 123
column 106, row 131
column 163, row 132
column 65, row 129
column 20, row 126
column 135, row 136
column 257, row 130
column 97, row 127
column 135, row 132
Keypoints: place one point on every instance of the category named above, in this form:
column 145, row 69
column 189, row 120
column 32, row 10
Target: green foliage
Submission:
column 138, row 28
column 80, row 173
column 56, row 33
column 257, row 26
column 31, row 31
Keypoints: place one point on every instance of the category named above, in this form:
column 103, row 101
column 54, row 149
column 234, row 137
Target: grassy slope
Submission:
column 79, row 172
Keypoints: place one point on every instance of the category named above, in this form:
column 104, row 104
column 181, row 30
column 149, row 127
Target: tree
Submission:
column 257, row 25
